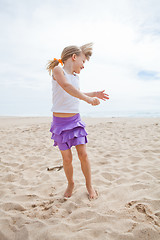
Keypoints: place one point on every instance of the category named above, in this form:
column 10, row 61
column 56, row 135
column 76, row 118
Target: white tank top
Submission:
column 62, row 101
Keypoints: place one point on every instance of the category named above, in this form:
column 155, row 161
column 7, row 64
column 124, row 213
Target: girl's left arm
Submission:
column 99, row 94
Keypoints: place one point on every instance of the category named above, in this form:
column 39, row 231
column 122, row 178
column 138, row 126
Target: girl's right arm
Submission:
column 70, row 89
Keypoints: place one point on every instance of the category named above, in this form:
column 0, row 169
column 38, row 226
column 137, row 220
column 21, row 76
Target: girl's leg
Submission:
column 86, row 169
column 68, row 169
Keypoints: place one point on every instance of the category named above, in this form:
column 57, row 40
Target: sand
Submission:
column 125, row 161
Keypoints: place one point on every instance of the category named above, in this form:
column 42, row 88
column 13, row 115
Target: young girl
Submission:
column 67, row 128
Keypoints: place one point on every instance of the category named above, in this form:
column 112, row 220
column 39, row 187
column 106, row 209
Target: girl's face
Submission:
column 78, row 62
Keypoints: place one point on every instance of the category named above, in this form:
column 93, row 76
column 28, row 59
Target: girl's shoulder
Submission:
column 57, row 69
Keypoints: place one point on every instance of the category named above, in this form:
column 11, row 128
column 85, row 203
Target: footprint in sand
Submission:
column 144, row 209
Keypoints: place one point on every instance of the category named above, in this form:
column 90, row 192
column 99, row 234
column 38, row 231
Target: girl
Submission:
column 67, row 128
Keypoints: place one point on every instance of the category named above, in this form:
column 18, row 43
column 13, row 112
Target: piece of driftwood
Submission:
column 57, row 168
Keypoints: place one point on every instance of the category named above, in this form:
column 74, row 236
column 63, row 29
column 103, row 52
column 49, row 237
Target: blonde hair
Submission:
column 68, row 52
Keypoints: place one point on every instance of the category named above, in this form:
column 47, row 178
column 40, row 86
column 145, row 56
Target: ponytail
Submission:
column 53, row 63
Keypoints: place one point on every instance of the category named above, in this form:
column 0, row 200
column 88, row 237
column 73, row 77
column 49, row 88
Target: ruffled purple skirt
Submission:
column 68, row 132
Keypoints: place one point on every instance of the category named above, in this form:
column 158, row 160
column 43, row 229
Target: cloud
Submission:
column 126, row 38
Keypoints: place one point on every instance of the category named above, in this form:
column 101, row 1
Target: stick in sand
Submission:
column 58, row 168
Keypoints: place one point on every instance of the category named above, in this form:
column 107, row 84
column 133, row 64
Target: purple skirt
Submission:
column 68, row 132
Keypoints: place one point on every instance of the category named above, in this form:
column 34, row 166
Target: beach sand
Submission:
column 125, row 161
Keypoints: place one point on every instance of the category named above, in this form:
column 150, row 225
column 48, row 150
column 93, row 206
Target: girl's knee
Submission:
column 83, row 155
column 67, row 160
column 67, row 157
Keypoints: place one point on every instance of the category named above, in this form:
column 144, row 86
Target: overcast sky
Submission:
column 125, row 61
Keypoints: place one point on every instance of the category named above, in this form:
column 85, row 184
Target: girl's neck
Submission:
column 68, row 67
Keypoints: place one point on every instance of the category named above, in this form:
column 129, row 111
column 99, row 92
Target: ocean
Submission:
column 130, row 114
column 93, row 114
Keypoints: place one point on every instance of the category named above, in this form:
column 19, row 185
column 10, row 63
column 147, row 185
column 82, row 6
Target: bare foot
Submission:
column 93, row 194
column 69, row 190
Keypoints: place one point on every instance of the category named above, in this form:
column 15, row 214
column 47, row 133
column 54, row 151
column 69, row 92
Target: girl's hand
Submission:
column 102, row 95
column 93, row 101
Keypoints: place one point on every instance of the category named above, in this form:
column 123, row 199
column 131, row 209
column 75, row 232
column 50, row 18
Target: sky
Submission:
column 125, row 61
